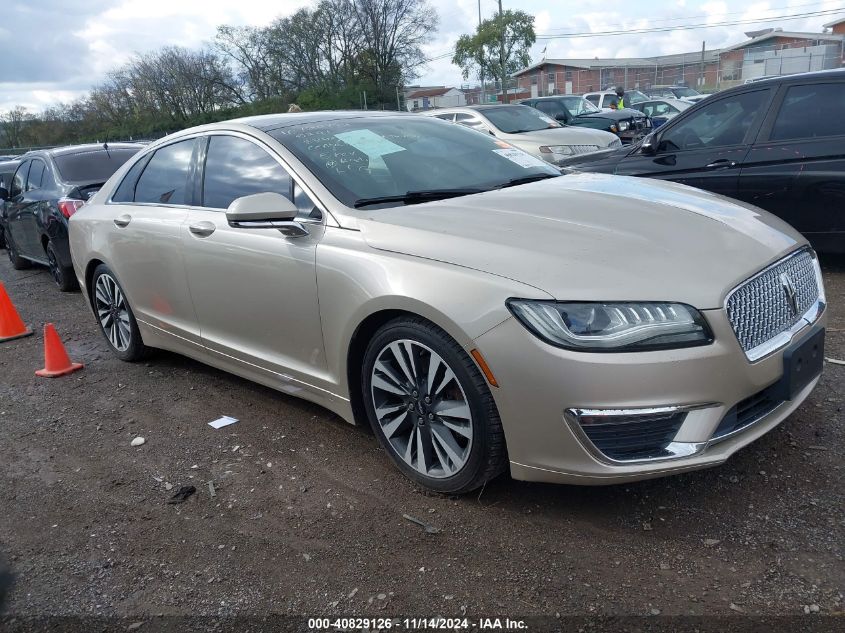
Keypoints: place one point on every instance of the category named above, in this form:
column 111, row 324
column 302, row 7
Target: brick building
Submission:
column 766, row 52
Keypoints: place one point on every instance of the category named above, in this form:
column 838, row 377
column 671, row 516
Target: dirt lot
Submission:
column 308, row 513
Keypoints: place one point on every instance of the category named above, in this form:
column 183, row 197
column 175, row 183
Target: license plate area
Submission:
column 802, row 363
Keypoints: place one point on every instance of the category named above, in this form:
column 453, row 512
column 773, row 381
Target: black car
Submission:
column 8, row 165
column 778, row 144
column 628, row 124
column 48, row 187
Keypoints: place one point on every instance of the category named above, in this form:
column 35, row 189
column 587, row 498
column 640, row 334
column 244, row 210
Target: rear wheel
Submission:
column 18, row 262
column 431, row 409
column 115, row 317
column 62, row 275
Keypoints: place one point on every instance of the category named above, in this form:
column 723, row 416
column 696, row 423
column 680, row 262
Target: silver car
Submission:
column 530, row 130
column 479, row 311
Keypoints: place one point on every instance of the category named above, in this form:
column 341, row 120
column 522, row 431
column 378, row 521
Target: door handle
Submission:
column 202, row 229
column 722, row 163
column 122, row 221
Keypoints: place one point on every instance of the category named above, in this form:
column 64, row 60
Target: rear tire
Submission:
column 431, row 408
column 115, row 317
column 18, row 262
column 62, row 275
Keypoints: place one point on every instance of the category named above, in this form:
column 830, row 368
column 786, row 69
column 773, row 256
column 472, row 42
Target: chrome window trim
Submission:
column 807, row 319
column 248, row 137
column 676, row 450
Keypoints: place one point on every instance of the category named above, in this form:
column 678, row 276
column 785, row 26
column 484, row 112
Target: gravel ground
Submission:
column 308, row 513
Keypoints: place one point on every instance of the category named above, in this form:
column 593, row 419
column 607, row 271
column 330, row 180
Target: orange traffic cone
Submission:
column 11, row 326
column 56, row 360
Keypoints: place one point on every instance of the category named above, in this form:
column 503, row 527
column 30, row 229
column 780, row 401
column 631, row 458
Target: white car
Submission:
column 530, row 130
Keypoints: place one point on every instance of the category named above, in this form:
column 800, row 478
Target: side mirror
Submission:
column 265, row 211
column 649, row 145
column 560, row 116
column 4, row 193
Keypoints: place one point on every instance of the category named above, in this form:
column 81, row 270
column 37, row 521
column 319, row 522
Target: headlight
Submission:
column 623, row 125
column 613, row 327
column 562, row 150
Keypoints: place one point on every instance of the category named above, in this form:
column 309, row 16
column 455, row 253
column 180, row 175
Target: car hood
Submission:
column 616, row 115
column 559, row 136
column 594, row 237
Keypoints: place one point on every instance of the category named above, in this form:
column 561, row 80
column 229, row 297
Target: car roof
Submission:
column 267, row 122
column 834, row 73
column 87, row 148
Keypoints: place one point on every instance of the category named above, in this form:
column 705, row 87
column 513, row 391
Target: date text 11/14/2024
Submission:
column 415, row 624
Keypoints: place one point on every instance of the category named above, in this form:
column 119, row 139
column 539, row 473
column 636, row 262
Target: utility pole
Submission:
column 398, row 105
column 502, row 56
column 701, row 72
column 482, row 99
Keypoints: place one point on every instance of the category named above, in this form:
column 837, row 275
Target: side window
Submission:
column 307, row 209
column 235, row 167
column 594, row 99
column 36, row 175
column 125, row 191
column 815, row 110
column 446, row 117
column 19, row 180
column 718, row 124
column 165, row 180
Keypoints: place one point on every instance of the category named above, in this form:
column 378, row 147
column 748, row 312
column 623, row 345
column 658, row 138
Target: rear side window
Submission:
column 165, row 180
column 815, row 110
column 19, row 180
column 125, row 192
column 36, row 175
column 235, row 167
column 719, row 124
column 92, row 167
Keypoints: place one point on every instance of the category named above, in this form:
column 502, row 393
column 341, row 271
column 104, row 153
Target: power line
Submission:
column 689, row 27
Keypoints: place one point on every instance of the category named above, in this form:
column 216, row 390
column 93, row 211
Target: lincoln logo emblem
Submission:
column 791, row 295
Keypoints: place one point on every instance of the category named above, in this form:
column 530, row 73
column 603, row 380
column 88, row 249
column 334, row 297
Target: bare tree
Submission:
column 13, row 124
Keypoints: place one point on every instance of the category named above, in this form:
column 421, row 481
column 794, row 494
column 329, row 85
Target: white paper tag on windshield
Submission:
column 369, row 142
column 521, row 158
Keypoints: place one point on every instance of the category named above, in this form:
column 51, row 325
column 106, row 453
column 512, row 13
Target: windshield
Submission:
column 683, row 91
column 515, row 119
column 635, row 96
column 92, row 166
column 578, row 105
column 364, row 158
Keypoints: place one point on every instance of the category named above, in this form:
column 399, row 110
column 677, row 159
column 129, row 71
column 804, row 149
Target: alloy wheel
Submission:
column 112, row 312
column 421, row 408
column 53, row 265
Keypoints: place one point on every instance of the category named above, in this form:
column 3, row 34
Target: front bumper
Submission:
column 542, row 387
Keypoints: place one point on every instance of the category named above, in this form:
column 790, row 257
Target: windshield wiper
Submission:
column 526, row 179
column 415, row 197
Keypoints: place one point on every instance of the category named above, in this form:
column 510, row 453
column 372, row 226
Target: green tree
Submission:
column 500, row 46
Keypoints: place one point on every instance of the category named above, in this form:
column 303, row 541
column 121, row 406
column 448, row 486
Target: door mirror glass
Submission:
column 649, row 145
column 261, row 207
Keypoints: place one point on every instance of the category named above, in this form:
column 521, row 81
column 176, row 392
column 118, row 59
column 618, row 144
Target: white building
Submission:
column 429, row 98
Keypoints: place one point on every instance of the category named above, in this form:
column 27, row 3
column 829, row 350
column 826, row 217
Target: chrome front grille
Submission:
column 773, row 301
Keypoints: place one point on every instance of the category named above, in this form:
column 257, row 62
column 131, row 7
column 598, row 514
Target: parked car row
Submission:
column 775, row 143
column 479, row 310
column 46, row 188
column 627, row 124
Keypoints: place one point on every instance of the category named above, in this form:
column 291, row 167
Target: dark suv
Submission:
column 628, row 124
column 47, row 188
column 7, row 171
column 777, row 144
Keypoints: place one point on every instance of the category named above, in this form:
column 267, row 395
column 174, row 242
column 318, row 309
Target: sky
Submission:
column 53, row 51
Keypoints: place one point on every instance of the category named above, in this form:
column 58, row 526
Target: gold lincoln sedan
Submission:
column 478, row 310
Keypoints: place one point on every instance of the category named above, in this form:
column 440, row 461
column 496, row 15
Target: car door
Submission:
column 706, row 148
column 145, row 240
column 17, row 208
column 36, row 202
column 796, row 169
column 255, row 290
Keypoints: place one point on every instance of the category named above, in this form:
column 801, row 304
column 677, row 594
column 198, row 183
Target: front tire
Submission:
column 431, row 408
column 115, row 316
column 62, row 275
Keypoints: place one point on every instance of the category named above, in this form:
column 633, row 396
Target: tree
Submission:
column 500, row 46
column 13, row 124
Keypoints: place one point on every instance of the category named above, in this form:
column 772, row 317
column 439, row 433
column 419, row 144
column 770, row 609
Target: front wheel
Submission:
column 115, row 317
column 431, row 408
column 62, row 275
